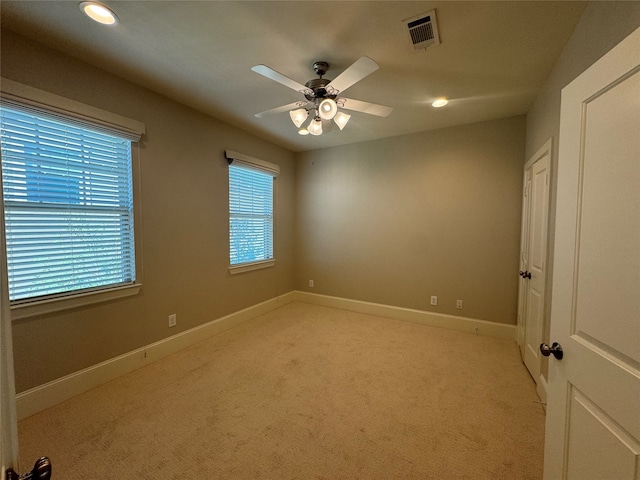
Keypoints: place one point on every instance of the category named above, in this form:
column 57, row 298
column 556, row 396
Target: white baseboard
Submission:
column 51, row 393
column 451, row 322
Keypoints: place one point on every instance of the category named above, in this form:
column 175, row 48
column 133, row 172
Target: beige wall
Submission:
column 184, row 228
column 602, row 26
column 397, row 220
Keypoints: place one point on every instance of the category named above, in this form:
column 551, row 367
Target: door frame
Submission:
column 8, row 416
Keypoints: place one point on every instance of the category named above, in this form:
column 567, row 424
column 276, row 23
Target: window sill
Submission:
column 43, row 307
column 247, row 267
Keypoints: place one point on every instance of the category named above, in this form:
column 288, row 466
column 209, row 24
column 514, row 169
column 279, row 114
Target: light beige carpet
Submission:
column 306, row 392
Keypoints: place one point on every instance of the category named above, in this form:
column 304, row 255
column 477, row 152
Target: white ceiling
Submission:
column 492, row 60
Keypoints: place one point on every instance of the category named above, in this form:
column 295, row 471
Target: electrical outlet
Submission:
column 434, row 300
column 459, row 304
column 173, row 320
column 310, row 283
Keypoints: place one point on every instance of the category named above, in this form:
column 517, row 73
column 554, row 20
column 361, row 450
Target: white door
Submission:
column 8, row 422
column 534, row 256
column 593, row 414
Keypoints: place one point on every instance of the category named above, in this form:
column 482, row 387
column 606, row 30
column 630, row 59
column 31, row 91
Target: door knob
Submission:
column 41, row 471
column 554, row 349
column 525, row 274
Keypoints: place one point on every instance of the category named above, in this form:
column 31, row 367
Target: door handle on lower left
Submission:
column 41, row 471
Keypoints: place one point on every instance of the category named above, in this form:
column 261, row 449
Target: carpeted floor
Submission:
column 306, row 392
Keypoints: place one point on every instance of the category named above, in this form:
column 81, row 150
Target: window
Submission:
column 251, row 183
column 68, row 201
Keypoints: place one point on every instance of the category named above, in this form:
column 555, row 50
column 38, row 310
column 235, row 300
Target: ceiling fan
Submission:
column 323, row 96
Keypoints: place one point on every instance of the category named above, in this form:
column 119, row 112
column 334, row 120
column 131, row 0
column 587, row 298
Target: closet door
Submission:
column 534, row 257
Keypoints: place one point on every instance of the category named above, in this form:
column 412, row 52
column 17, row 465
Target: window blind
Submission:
column 250, row 214
column 68, row 201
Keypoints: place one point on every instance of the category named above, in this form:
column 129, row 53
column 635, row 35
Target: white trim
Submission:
column 8, row 414
column 247, row 267
column 26, row 95
column 44, row 396
column 252, row 162
column 73, row 300
column 546, row 148
column 451, row 322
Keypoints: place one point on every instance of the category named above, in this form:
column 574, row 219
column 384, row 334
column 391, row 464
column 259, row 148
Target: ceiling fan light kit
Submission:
column 321, row 96
column 315, row 127
column 298, row 116
column 328, row 109
column 341, row 119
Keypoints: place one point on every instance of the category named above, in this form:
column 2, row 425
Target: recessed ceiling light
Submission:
column 98, row 13
column 440, row 102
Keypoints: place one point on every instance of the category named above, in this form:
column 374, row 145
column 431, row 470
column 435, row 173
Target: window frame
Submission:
column 15, row 94
column 268, row 168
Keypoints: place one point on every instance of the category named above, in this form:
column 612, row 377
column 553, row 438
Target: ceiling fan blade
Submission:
column 281, row 109
column 364, row 107
column 356, row 72
column 271, row 74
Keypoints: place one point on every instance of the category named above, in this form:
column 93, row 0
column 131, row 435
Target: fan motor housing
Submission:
column 318, row 85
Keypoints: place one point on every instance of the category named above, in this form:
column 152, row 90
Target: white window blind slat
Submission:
column 68, row 204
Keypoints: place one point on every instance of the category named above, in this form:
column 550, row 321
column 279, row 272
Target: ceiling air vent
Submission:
column 422, row 30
